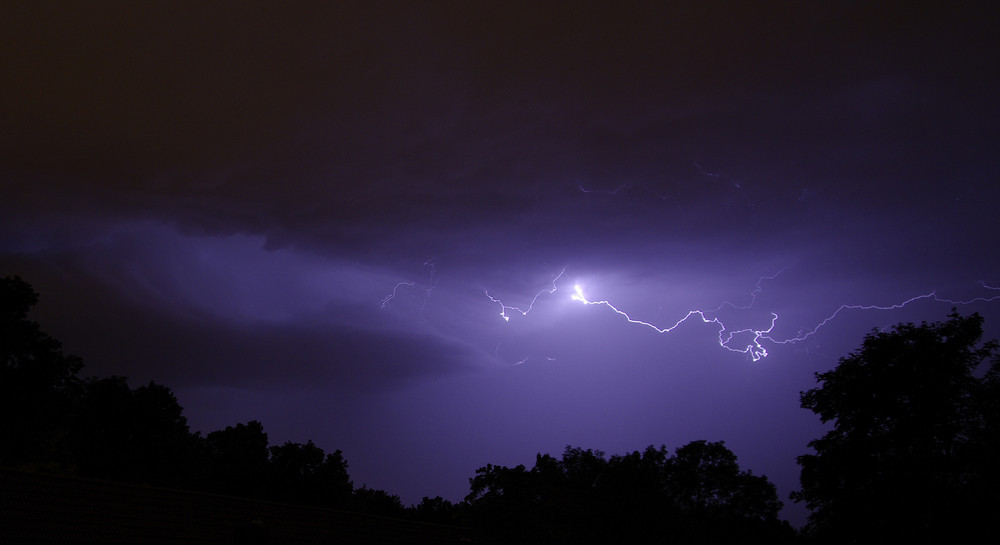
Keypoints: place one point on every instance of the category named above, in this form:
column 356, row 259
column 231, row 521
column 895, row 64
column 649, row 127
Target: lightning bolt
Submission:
column 933, row 296
column 753, row 294
column 388, row 299
column 524, row 312
column 754, row 348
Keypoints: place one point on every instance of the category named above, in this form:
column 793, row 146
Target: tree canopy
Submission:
column 911, row 452
column 52, row 419
column 37, row 381
column 697, row 495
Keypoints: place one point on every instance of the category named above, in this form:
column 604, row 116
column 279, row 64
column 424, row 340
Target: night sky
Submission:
column 317, row 215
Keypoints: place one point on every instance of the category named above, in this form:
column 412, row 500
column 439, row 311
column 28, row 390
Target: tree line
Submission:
column 55, row 420
column 914, row 416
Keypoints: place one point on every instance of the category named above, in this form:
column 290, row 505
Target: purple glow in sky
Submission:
column 365, row 223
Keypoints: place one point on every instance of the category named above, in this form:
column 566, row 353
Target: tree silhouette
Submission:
column 377, row 502
column 239, row 460
column 915, row 425
column 37, row 383
column 698, row 495
column 715, row 498
column 301, row 473
column 438, row 510
column 640, row 503
column 100, row 427
column 135, row 435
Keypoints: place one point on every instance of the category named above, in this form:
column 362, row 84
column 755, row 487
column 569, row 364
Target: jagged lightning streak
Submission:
column 754, row 349
column 753, row 294
column 388, row 299
column 504, row 308
column 933, row 296
column 524, row 312
column 726, row 337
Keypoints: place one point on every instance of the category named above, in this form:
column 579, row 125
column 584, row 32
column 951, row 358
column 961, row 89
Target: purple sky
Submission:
column 223, row 198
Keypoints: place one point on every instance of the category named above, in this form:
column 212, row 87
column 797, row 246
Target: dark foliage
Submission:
column 302, row 473
column 54, row 420
column 698, row 495
column 911, row 456
column 130, row 435
column 237, row 460
column 438, row 510
column 38, row 383
column 377, row 502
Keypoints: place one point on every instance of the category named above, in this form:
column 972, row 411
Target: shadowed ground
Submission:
column 41, row 508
